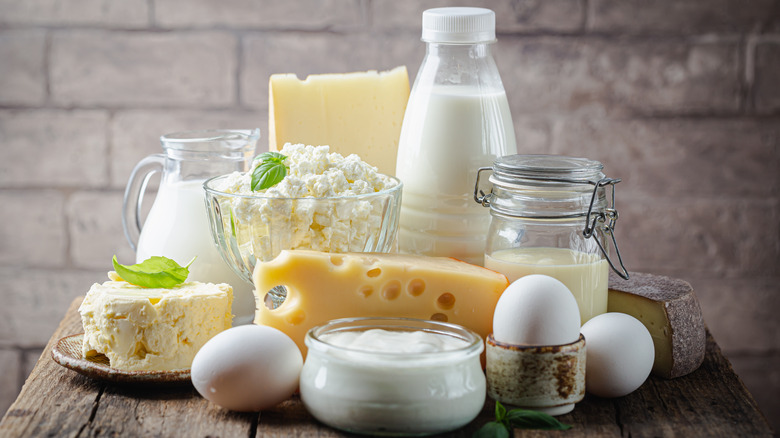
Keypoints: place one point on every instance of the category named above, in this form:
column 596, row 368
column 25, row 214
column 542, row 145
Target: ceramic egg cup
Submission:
column 546, row 378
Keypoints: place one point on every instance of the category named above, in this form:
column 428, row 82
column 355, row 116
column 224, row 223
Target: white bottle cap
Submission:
column 458, row 25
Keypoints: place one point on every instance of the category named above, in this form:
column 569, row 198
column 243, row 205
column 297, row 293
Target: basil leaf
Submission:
column 493, row 429
column 153, row 272
column 269, row 172
column 527, row 419
column 500, row 411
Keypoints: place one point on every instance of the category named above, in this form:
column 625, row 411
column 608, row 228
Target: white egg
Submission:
column 247, row 368
column 619, row 354
column 536, row 310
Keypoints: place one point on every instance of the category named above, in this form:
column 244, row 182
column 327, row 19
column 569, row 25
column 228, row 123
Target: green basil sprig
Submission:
column 270, row 171
column 153, row 272
column 519, row 418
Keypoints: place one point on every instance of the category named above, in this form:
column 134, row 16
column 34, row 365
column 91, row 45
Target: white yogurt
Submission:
column 393, row 376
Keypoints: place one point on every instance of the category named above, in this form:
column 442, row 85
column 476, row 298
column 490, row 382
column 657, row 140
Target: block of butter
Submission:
column 670, row 311
column 324, row 286
column 141, row 329
column 353, row 113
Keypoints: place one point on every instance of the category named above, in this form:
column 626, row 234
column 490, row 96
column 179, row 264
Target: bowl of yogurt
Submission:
column 393, row 376
column 326, row 202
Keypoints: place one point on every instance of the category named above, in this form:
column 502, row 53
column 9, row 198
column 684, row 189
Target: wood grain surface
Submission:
column 55, row 401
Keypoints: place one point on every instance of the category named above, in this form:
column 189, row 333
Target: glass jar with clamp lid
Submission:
column 550, row 215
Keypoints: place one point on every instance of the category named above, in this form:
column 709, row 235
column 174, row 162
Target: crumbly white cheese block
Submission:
column 141, row 329
column 670, row 311
column 355, row 113
column 322, row 286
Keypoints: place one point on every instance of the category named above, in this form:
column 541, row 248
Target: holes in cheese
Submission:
column 445, row 301
column 439, row 317
column 416, row 287
column 321, row 287
column 391, row 290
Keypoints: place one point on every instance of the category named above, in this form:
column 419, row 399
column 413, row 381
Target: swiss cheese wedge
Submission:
column 325, row 286
column 353, row 113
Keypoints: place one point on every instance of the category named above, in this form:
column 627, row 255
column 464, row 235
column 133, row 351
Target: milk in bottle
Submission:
column 457, row 120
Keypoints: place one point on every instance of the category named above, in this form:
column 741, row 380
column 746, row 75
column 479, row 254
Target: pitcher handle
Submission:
column 134, row 195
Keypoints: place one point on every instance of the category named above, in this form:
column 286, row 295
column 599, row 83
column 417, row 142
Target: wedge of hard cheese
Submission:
column 325, row 286
column 670, row 311
column 354, row 113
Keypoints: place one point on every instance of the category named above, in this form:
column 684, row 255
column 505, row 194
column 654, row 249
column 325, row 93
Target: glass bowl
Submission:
column 252, row 228
column 379, row 389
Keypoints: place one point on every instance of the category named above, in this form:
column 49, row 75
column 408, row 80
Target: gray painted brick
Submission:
column 680, row 157
column 44, row 148
column 401, row 48
column 10, row 363
column 534, row 135
column 22, row 79
column 119, row 69
column 682, row 17
column 302, row 54
column 598, row 76
column 95, row 227
column 264, row 14
column 713, row 235
column 33, row 231
column 741, row 313
column 767, row 76
column 516, row 16
column 106, row 13
column 36, row 301
column 136, row 133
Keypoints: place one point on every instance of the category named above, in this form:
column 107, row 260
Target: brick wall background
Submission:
column 679, row 98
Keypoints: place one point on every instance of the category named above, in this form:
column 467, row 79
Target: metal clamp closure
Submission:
column 479, row 196
column 608, row 218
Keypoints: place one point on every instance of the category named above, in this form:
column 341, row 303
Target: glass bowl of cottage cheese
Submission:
column 326, row 202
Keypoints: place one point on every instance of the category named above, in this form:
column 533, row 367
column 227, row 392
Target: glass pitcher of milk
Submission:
column 177, row 225
column 457, row 120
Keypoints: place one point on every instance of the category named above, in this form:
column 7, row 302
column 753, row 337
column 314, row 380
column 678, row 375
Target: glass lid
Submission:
column 552, row 168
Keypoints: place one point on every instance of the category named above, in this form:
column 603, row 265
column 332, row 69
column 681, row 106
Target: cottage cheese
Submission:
column 317, row 206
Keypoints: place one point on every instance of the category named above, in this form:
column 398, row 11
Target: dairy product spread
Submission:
column 143, row 329
column 419, row 379
column 354, row 113
column 400, row 342
column 336, row 224
column 321, row 287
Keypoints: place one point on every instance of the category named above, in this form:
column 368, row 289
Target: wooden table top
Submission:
column 56, row 401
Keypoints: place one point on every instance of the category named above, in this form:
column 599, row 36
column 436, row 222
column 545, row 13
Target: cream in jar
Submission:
column 393, row 376
column 586, row 275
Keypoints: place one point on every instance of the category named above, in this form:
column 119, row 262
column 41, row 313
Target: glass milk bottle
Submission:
column 177, row 226
column 550, row 215
column 457, row 120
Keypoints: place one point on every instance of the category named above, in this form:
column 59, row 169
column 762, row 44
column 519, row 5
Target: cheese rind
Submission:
column 354, row 113
column 141, row 329
column 325, row 286
column 669, row 309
